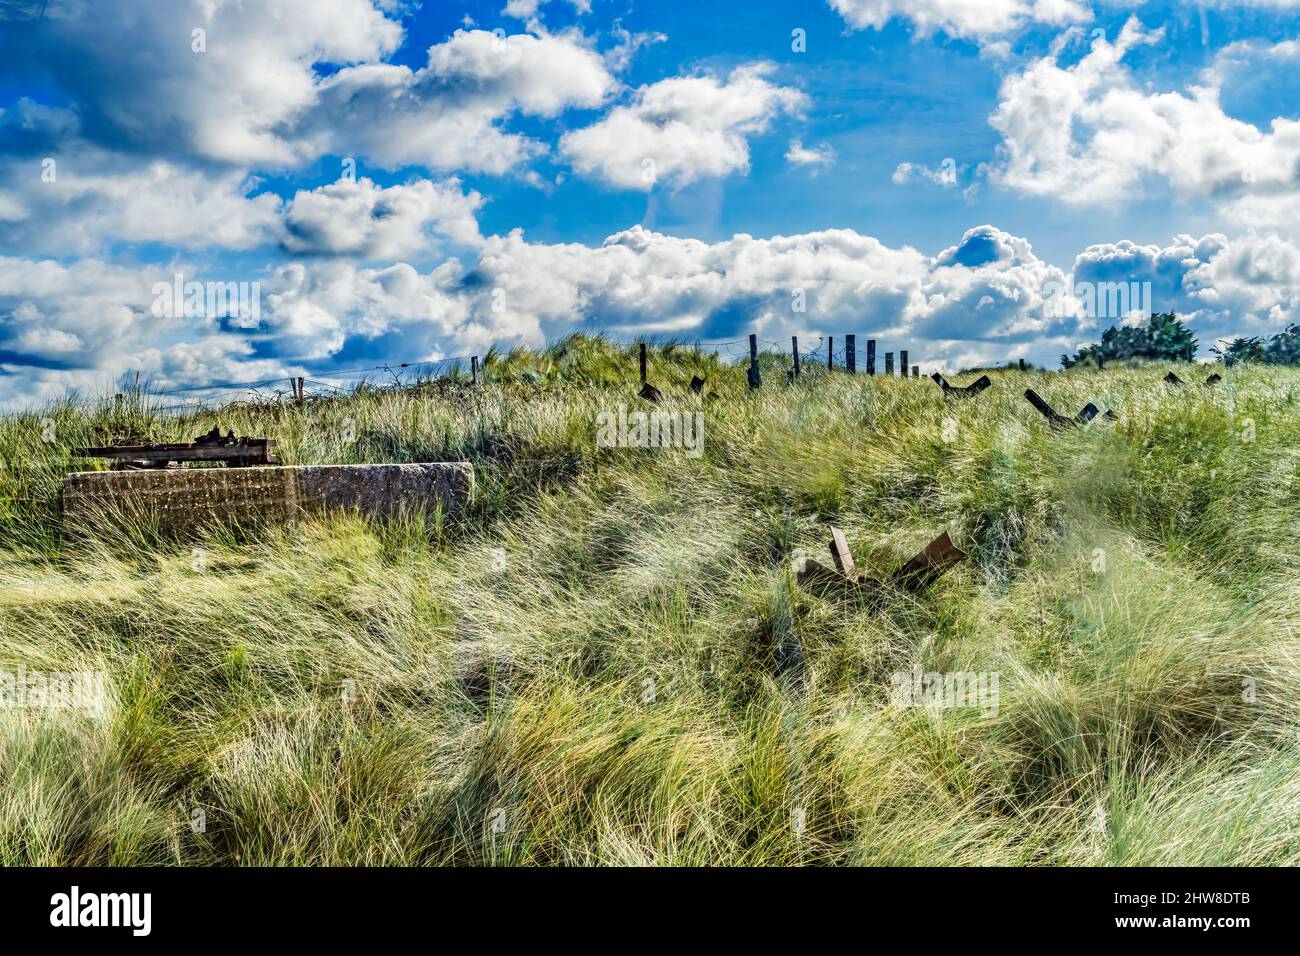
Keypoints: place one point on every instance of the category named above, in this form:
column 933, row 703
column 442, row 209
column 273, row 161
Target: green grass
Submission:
column 643, row 682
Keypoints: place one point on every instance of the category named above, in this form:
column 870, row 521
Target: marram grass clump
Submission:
column 607, row 660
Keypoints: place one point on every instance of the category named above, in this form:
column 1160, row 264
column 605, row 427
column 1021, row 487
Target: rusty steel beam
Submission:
column 1086, row 414
column 212, row 447
column 958, row 391
column 930, row 562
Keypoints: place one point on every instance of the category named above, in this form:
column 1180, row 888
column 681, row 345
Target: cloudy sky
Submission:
column 407, row 181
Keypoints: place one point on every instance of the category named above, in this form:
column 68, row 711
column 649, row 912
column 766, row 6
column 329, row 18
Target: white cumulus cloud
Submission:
column 449, row 114
column 1088, row 133
column 800, row 155
column 987, row 298
column 682, row 129
column 962, row 18
column 363, row 220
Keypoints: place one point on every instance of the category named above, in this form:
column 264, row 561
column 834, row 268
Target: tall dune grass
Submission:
column 606, row 659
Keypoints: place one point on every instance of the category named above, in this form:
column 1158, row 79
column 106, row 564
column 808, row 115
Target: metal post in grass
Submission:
column 754, row 380
column 850, row 354
column 902, row 362
column 794, row 350
column 871, row 356
column 648, row 391
column 889, row 363
column 841, row 554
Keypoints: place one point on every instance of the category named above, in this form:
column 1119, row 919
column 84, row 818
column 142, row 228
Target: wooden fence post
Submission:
column 754, row 380
column 902, row 361
column 830, row 354
column 794, row 350
column 889, row 363
column 1022, row 365
column 850, row 354
column 302, row 388
column 643, row 362
column 473, row 370
column 916, row 371
column 871, row 356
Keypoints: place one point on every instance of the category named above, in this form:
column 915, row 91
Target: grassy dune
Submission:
column 606, row 659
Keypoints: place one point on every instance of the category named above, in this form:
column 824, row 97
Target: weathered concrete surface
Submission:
column 188, row 498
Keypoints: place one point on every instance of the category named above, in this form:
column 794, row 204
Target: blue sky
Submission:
column 406, row 182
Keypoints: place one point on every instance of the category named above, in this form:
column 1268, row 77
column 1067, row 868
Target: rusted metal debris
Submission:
column 648, row 391
column 1214, row 379
column 926, row 565
column 213, row 447
column 654, row 396
column 930, row 562
column 1086, row 414
column 974, row 388
column 842, row 556
column 816, row 577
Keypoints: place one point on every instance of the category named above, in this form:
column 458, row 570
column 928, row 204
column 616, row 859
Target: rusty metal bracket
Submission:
column 967, row 391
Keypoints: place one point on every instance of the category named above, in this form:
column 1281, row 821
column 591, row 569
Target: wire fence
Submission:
column 822, row 351
column 399, row 374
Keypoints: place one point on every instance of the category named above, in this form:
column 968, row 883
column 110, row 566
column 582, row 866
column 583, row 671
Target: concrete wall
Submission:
column 189, row 498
